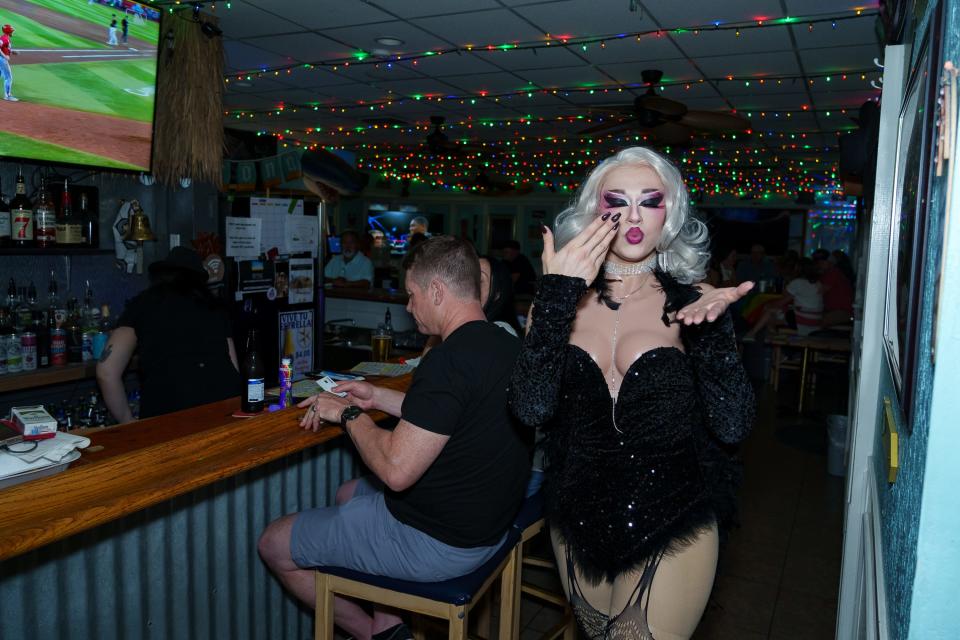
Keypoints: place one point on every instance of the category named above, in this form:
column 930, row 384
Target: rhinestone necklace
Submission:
column 634, row 269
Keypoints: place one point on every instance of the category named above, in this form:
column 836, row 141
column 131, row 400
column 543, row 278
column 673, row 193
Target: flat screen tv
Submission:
column 78, row 82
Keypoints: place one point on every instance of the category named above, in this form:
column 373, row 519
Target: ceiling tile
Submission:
column 674, row 70
column 482, row 28
column 241, row 57
column 302, row 47
column 749, row 41
column 364, row 37
column 769, row 64
column 245, row 19
column 455, row 9
column 684, row 14
column 450, row 64
column 847, row 32
column 531, row 59
column 569, row 77
column 584, row 19
column 322, row 14
column 835, row 59
column 771, row 101
column 826, row 7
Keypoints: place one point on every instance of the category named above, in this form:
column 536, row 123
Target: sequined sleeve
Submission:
column 537, row 376
column 725, row 389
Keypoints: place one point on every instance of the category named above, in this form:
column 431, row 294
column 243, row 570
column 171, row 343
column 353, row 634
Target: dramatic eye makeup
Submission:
column 652, row 199
column 614, row 200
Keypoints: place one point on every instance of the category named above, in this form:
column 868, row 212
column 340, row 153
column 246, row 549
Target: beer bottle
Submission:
column 45, row 218
column 4, row 221
column 21, row 212
column 90, row 223
column 252, row 371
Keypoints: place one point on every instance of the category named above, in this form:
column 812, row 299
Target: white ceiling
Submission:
column 267, row 33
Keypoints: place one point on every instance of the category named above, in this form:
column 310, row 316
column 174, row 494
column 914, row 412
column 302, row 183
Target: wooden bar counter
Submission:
column 137, row 465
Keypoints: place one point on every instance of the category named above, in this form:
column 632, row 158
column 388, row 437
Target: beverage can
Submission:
column 286, row 383
column 88, row 345
column 14, row 356
column 28, row 350
column 58, row 347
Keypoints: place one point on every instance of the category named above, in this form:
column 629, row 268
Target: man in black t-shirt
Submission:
column 449, row 479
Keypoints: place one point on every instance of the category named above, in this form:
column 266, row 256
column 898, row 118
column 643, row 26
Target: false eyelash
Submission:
column 653, row 202
column 613, row 202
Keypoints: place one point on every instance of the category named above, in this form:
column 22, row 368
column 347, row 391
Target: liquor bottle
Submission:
column 74, row 331
column 21, row 212
column 45, row 218
column 90, row 223
column 69, row 225
column 42, row 329
column 5, row 239
column 103, row 332
column 55, row 307
column 24, row 313
column 252, row 370
column 57, row 337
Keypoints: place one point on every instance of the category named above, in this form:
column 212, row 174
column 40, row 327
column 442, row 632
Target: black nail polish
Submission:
column 605, row 216
column 616, row 217
column 543, row 229
column 616, row 226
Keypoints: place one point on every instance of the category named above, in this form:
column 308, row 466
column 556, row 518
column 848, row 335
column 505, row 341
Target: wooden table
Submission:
column 140, row 464
column 808, row 344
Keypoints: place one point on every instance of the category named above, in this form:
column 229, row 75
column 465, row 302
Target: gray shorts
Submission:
column 364, row 536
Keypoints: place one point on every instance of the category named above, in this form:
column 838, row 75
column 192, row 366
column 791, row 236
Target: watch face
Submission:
column 350, row 413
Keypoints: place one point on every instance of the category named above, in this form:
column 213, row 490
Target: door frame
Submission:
column 856, row 605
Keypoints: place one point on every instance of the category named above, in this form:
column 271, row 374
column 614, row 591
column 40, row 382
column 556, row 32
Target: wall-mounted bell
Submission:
column 139, row 227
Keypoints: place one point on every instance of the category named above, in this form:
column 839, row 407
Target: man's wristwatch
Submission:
column 349, row 413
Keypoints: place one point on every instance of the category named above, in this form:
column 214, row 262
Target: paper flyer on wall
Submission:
column 301, row 280
column 301, row 234
column 288, row 206
column 296, row 340
column 243, row 237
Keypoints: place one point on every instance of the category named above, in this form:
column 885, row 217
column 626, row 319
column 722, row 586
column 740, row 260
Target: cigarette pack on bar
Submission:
column 34, row 422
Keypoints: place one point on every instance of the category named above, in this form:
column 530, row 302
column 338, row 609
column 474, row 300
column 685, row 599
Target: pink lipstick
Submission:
column 634, row 235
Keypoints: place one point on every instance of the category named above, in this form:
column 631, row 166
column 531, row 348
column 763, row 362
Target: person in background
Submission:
column 806, row 297
column 349, row 268
column 419, row 225
column 788, row 268
column 844, row 264
column 412, row 243
column 5, row 71
column 759, row 268
column 124, row 29
column 183, row 336
column 723, row 269
column 496, row 294
column 446, row 483
column 837, row 291
column 521, row 271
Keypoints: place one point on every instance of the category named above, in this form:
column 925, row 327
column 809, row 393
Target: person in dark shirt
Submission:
column 183, row 335
column 521, row 271
column 448, row 480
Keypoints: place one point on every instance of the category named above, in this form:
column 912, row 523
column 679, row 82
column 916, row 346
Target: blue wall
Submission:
column 919, row 516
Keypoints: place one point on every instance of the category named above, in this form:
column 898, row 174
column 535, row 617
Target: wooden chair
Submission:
column 567, row 626
column 451, row 600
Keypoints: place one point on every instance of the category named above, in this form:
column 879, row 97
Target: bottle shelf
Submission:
column 52, row 375
column 44, row 377
column 53, row 251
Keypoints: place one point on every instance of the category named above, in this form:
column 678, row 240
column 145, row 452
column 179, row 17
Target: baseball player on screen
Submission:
column 5, row 71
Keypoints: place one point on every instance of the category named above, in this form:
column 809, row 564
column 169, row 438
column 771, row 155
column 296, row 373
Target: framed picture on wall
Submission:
column 908, row 233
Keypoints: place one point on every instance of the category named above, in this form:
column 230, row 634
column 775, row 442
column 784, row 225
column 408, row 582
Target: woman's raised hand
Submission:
column 712, row 303
column 582, row 256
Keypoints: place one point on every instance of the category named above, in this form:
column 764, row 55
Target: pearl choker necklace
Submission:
column 635, row 269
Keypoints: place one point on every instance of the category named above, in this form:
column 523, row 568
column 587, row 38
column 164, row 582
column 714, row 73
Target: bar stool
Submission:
column 450, row 600
column 530, row 528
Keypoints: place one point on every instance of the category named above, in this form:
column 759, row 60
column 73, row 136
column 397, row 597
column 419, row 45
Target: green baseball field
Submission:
column 83, row 94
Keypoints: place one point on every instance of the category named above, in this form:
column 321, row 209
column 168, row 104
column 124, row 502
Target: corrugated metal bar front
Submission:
column 184, row 569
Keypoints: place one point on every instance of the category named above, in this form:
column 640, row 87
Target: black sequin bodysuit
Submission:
column 620, row 501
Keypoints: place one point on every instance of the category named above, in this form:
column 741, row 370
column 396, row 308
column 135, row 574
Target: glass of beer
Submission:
column 381, row 342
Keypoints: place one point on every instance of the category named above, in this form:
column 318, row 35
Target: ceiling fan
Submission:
column 668, row 121
column 439, row 143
